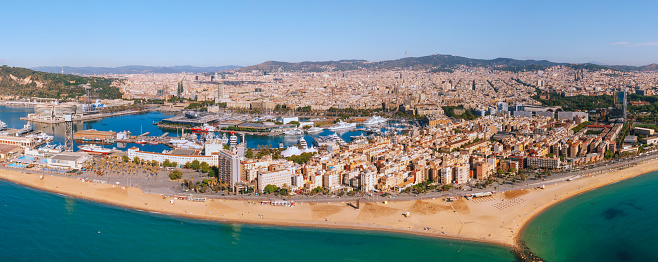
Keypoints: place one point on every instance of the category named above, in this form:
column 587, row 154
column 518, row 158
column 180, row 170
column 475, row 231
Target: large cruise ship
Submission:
column 375, row 120
column 342, row 126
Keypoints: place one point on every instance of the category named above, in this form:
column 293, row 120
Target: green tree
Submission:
column 249, row 153
column 136, row 160
column 196, row 165
column 205, row 166
column 175, row 175
column 446, row 187
column 523, row 176
column 154, row 163
column 125, row 159
column 270, row 189
column 296, row 123
column 211, row 173
column 609, row 154
column 166, row 163
column 174, row 164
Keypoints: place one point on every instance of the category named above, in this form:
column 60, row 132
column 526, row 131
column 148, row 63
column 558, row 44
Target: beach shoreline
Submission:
column 498, row 220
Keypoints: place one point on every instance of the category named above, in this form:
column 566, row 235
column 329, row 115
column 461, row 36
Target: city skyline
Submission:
column 243, row 34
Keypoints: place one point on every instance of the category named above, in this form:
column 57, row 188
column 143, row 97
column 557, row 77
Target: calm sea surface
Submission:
column 613, row 223
column 41, row 226
column 141, row 123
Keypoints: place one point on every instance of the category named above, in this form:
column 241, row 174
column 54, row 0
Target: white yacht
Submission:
column 294, row 132
column 375, row 120
column 314, row 130
column 94, row 149
column 342, row 126
column 3, row 125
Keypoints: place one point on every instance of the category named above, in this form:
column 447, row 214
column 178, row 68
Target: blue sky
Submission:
column 214, row 33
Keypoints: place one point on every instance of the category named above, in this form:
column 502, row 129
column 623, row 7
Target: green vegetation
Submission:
column 450, row 111
column 175, row 175
column 30, row 83
column 301, row 159
column 593, row 132
column 271, row 189
column 347, row 112
column 249, row 153
column 580, row 126
column 577, row 103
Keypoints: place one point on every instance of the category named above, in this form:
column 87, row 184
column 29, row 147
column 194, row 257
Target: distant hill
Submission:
column 29, row 83
column 429, row 63
column 651, row 67
column 132, row 69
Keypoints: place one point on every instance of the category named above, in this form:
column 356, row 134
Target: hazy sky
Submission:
column 214, row 33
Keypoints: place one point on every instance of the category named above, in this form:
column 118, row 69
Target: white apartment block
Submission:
column 276, row 178
column 446, row 175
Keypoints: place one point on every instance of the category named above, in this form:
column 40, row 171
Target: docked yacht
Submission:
column 205, row 128
column 375, row 120
column 94, row 149
column 314, row 130
column 294, row 132
column 3, row 125
column 342, row 126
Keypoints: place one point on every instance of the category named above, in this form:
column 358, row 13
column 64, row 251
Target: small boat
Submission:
column 153, row 143
column 141, row 142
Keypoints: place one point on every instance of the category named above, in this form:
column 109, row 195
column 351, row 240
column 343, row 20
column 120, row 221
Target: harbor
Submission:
column 146, row 130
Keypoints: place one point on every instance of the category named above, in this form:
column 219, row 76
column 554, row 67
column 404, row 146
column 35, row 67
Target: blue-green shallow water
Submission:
column 613, row 223
column 36, row 225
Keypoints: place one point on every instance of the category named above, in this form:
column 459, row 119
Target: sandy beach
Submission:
column 497, row 219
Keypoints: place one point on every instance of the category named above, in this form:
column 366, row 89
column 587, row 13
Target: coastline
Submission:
column 498, row 220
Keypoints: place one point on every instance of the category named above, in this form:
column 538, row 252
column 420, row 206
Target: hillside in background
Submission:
column 133, row 69
column 29, row 83
column 432, row 63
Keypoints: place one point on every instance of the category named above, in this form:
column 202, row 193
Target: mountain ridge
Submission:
column 131, row 69
column 436, row 62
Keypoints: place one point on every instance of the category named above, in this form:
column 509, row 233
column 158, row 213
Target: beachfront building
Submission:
column 462, row 173
column 543, row 162
column 229, row 167
column 180, row 156
column 278, row 178
column 331, row 181
column 367, row 181
column 446, row 175
column 67, row 160
column 9, row 150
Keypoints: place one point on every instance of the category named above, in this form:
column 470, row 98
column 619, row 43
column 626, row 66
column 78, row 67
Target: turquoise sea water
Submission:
column 613, row 223
column 41, row 226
